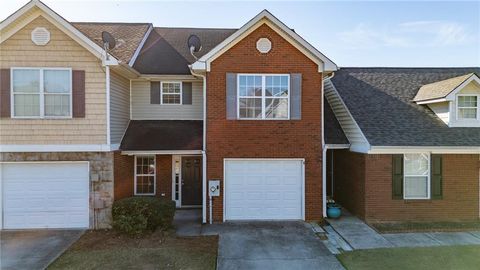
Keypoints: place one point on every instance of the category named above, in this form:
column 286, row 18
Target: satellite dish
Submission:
column 108, row 40
column 194, row 44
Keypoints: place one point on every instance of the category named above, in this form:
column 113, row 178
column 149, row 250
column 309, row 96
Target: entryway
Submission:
column 187, row 181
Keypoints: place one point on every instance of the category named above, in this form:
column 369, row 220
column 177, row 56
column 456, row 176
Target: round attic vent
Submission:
column 40, row 36
column 264, row 45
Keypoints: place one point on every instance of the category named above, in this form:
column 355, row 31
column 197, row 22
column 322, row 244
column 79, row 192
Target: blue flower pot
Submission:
column 334, row 211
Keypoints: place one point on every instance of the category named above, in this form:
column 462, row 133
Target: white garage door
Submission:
column 45, row 195
column 263, row 189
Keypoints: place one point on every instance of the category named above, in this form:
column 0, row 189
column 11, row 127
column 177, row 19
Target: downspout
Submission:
column 204, row 149
column 324, row 152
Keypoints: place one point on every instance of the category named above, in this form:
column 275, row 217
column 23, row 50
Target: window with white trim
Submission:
column 145, row 174
column 416, row 177
column 171, row 92
column 467, row 107
column 41, row 93
column 263, row 96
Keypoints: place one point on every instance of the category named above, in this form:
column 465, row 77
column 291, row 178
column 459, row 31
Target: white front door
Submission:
column 264, row 189
column 45, row 195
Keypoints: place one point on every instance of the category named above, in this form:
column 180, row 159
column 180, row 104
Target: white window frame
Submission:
column 154, row 176
column 263, row 97
column 457, row 107
column 429, row 177
column 181, row 93
column 41, row 93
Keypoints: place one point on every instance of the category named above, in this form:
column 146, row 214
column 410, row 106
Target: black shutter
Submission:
column 397, row 177
column 78, row 93
column 436, row 175
column 5, row 92
column 154, row 92
column 187, row 93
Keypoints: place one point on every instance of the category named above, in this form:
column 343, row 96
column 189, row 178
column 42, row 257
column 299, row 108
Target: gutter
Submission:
column 204, row 147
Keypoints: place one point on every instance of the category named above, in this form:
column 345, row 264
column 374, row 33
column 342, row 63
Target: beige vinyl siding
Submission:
column 143, row 110
column 61, row 51
column 345, row 119
column 119, row 106
column 442, row 111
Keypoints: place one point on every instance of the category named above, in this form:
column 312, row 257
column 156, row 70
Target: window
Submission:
column 467, row 107
column 145, row 175
column 41, row 93
column 263, row 96
column 416, row 181
column 171, row 93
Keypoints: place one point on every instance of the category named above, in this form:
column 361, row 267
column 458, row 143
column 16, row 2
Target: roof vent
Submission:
column 40, row 36
column 264, row 45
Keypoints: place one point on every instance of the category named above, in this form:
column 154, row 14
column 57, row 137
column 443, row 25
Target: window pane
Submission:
column 57, row 105
column 469, row 113
column 276, row 86
column 416, row 164
column 145, row 184
column 26, row 104
column 416, row 187
column 250, row 108
column 171, row 88
column 250, row 86
column 276, row 108
column 171, row 99
column 56, row 81
column 26, row 80
column 467, row 101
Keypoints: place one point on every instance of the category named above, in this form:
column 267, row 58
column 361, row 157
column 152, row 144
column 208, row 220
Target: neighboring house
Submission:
column 80, row 128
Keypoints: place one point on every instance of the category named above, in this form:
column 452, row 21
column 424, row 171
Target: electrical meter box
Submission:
column 214, row 188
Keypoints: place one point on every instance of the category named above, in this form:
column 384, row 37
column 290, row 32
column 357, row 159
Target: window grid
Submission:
column 467, row 107
column 41, row 93
column 251, row 99
column 408, row 175
column 171, row 93
column 145, row 175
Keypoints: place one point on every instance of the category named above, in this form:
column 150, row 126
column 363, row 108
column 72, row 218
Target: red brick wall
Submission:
column 460, row 189
column 460, row 192
column 266, row 139
column 349, row 181
column 124, row 176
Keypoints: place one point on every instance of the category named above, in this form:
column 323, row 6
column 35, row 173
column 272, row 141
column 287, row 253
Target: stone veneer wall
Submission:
column 101, row 179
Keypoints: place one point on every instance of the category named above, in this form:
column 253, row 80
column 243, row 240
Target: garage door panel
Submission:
column 45, row 195
column 263, row 189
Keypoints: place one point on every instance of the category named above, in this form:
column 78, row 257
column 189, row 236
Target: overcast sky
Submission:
column 374, row 33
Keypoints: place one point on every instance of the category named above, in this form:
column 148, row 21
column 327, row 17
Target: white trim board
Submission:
column 140, row 46
column 265, row 17
column 424, row 149
column 162, row 152
column 16, row 148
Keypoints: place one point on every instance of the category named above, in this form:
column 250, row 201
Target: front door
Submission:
column 191, row 181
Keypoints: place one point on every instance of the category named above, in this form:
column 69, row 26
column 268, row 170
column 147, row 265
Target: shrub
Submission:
column 137, row 215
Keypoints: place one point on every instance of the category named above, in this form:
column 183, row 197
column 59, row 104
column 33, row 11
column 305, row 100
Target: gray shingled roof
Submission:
column 381, row 101
column 333, row 131
column 166, row 50
column 128, row 36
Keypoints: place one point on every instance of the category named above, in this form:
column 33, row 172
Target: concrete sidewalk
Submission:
column 359, row 235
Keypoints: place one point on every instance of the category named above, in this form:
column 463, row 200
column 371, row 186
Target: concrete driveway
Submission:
column 270, row 245
column 34, row 249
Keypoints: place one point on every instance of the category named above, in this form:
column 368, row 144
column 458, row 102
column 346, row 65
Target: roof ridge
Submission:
column 124, row 23
column 200, row 28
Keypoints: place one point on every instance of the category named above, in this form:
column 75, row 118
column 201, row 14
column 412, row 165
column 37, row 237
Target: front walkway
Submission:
column 359, row 235
column 261, row 245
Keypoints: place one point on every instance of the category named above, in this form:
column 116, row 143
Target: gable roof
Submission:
column 36, row 8
column 128, row 36
column 166, row 52
column 380, row 101
column 440, row 89
column 265, row 17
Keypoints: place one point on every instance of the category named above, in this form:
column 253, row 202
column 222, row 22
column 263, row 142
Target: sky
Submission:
column 351, row 33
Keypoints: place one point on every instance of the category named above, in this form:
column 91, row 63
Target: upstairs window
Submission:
column 467, row 107
column 41, row 93
column 171, row 93
column 263, row 96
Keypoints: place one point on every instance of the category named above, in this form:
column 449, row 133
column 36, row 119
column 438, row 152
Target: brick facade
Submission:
column 266, row 139
column 373, row 174
column 124, row 176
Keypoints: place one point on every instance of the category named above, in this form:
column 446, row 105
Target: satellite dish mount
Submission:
column 194, row 45
column 108, row 43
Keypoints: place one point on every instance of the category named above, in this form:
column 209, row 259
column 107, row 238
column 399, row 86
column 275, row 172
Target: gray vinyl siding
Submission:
column 143, row 110
column 119, row 107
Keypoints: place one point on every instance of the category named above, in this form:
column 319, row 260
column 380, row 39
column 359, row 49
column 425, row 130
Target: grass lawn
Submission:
column 161, row 250
column 447, row 257
column 394, row 227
